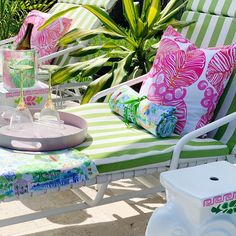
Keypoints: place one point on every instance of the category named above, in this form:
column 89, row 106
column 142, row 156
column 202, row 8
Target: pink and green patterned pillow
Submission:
column 192, row 80
column 44, row 41
column 171, row 41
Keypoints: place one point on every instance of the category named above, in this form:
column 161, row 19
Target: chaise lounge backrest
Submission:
column 81, row 18
column 105, row 4
column 216, row 26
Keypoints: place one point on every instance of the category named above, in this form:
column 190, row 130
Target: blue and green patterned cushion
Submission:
column 157, row 119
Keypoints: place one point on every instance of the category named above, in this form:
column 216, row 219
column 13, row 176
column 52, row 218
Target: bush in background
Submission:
column 130, row 52
column 13, row 13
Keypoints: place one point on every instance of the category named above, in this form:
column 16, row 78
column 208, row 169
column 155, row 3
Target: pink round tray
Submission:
column 49, row 138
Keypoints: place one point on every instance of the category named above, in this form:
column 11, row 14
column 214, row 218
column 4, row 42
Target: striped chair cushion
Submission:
column 113, row 146
column 106, row 4
column 81, row 18
column 220, row 7
column 208, row 31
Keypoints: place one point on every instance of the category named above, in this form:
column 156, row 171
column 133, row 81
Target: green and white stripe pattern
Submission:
column 113, row 146
column 81, row 18
column 106, row 4
column 216, row 7
column 215, row 30
column 209, row 30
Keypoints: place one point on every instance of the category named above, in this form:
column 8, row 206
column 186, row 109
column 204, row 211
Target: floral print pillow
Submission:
column 192, row 80
column 171, row 41
column 44, row 41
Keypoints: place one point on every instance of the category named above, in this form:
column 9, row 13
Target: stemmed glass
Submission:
column 49, row 114
column 21, row 117
column 5, row 114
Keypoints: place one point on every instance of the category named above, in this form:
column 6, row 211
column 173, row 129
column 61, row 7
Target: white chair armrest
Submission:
column 113, row 89
column 6, row 41
column 59, row 53
column 196, row 133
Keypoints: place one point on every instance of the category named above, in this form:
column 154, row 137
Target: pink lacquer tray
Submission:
column 46, row 137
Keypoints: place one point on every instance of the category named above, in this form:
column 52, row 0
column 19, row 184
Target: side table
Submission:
column 201, row 201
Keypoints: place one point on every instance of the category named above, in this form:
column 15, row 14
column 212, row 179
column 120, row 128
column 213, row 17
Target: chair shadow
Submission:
column 56, row 199
column 62, row 198
column 130, row 226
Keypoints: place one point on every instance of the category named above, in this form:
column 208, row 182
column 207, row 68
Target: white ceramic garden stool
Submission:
column 201, row 201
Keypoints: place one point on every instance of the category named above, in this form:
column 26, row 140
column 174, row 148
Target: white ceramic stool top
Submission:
column 201, row 201
column 202, row 182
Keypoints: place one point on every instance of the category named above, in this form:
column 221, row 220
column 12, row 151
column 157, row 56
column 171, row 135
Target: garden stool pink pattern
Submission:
column 201, row 201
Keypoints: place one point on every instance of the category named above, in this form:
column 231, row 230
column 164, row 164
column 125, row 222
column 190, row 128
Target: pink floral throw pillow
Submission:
column 44, row 41
column 192, row 81
column 171, row 41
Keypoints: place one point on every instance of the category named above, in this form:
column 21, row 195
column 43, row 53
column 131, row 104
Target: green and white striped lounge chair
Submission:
column 120, row 152
column 82, row 19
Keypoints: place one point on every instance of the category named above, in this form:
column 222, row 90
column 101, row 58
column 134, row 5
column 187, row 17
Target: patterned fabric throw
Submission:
column 158, row 120
column 44, row 41
column 25, row 173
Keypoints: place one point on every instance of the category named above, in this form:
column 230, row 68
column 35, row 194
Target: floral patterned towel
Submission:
column 24, row 173
column 158, row 120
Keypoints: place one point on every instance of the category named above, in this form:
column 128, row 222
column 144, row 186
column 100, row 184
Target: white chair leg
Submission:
column 89, row 201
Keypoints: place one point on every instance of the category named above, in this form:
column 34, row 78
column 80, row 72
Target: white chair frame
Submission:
column 102, row 180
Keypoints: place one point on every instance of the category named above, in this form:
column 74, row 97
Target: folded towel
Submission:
column 28, row 173
column 158, row 120
column 118, row 101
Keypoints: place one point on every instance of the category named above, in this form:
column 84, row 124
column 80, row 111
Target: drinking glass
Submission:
column 21, row 117
column 5, row 115
column 49, row 114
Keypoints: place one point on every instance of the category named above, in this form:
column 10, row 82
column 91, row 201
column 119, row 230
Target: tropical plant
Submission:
column 13, row 12
column 9, row 12
column 123, row 63
column 40, row 5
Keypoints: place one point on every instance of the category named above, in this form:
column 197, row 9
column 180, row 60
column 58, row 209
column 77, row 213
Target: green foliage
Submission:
column 145, row 27
column 226, row 208
column 41, row 5
column 13, row 12
column 9, row 15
